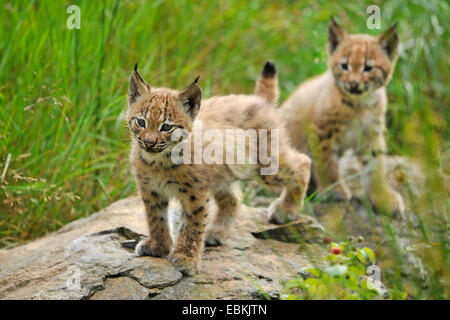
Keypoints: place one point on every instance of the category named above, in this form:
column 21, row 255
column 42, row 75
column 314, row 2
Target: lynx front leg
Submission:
column 327, row 171
column 187, row 254
column 159, row 243
column 383, row 197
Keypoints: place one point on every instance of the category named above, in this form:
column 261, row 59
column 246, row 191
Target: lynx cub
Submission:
column 344, row 108
column 155, row 115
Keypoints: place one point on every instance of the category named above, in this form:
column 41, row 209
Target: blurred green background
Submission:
column 63, row 92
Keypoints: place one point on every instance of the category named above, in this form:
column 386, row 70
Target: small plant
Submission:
column 343, row 276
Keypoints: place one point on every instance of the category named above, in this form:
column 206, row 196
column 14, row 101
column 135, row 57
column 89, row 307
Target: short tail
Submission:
column 267, row 85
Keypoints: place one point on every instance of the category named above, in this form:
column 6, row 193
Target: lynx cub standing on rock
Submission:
column 344, row 108
column 156, row 115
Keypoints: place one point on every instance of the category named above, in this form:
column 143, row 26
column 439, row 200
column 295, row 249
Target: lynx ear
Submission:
column 335, row 35
column 191, row 97
column 389, row 42
column 138, row 86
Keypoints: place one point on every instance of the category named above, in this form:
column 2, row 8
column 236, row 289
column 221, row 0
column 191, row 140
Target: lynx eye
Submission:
column 367, row 68
column 166, row 127
column 344, row 66
column 140, row 122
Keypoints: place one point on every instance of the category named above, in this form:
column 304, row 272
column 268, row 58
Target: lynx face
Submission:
column 155, row 114
column 361, row 63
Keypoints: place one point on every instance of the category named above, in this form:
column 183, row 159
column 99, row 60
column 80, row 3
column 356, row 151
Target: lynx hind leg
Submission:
column 228, row 202
column 292, row 181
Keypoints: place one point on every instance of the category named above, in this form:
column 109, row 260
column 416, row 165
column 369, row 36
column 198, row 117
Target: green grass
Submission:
column 63, row 92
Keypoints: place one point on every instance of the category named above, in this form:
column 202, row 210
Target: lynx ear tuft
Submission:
column 335, row 35
column 389, row 41
column 138, row 86
column 191, row 97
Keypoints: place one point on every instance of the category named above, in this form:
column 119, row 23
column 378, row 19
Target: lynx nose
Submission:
column 150, row 140
column 150, row 143
column 353, row 85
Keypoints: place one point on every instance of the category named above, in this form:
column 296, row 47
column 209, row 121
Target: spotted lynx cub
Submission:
column 344, row 108
column 156, row 115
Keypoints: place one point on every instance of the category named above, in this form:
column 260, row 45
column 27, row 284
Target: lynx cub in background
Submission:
column 344, row 108
column 155, row 114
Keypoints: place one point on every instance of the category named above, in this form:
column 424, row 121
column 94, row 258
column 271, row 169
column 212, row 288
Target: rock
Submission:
column 93, row 258
column 305, row 228
column 121, row 288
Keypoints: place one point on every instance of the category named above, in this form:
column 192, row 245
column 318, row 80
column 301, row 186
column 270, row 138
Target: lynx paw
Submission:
column 186, row 265
column 214, row 236
column 149, row 247
column 391, row 201
column 276, row 215
column 341, row 193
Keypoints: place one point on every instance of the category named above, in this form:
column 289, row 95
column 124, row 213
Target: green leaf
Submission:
column 360, row 255
column 314, row 271
column 352, row 283
column 294, row 283
column 321, row 291
column 370, row 254
column 331, row 257
column 396, row 294
column 311, row 282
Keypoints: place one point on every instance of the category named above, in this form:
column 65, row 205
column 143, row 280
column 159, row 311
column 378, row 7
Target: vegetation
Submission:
column 344, row 276
column 64, row 146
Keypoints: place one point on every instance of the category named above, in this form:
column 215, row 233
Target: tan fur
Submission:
column 267, row 85
column 344, row 108
column 159, row 179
